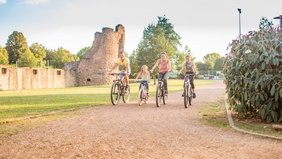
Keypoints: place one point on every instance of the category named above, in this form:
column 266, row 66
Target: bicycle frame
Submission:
column 187, row 90
column 118, row 89
column 187, row 83
column 160, row 93
column 142, row 93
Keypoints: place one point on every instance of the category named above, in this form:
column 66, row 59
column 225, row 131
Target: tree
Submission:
column 61, row 56
column 201, row 67
column 39, row 52
column 49, row 56
column 157, row 38
column 178, row 60
column 219, row 63
column 134, row 68
column 210, row 59
column 83, row 51
column 4, row 56
column 172, row 37
column 15, row 46
column 27, row 59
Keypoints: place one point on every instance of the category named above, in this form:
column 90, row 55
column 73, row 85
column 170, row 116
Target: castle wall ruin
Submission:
column 30, row 78
column 94, row 67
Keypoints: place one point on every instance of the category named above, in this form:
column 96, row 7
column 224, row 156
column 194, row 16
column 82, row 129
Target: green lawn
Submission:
column 16, row 105
column 214, row 115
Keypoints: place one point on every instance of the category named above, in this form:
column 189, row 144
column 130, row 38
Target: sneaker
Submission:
column 148, row 95
column 165, row 93
column 194, row 95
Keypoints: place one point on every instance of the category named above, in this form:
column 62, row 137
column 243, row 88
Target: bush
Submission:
column 253, row 74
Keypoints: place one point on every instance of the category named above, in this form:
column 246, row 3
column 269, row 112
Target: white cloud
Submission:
column 34, row 1
column 3, row 2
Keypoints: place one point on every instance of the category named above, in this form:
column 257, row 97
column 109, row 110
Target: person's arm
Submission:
column 149, row 76
column 169, row 63
column 194, row 68
column 157, row 62
column 137, row 76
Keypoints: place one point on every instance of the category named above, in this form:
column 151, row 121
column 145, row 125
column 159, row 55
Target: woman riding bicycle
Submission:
column 191, row 70
column 145, row 77
column 124, row 66
column 164, row 69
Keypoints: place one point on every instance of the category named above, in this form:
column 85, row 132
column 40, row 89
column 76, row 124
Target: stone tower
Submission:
column 94, row 67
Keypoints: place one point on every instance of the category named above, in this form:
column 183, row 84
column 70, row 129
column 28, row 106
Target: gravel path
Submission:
column 131, row 131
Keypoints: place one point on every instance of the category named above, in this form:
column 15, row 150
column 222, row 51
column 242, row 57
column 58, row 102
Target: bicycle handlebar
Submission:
column 139, row 81
column 118, row 73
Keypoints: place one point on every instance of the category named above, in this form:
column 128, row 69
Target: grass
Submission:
column 214, row 115
column 24, row 109
column 257, row 127
column 25, row 103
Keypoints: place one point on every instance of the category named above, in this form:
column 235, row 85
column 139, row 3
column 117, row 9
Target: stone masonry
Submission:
column 30, row 78
column 94, row 67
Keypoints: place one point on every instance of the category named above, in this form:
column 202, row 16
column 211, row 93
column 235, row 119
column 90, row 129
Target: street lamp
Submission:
column 279, row 17
column 239, row 10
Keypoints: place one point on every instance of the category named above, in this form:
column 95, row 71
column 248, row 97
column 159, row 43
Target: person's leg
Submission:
column 126, row 81
column 147, row 87
column 193, row 87
column 140, row 85
column 165, row 78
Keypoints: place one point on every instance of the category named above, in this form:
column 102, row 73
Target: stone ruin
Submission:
column 12, row 78
column 94, row 67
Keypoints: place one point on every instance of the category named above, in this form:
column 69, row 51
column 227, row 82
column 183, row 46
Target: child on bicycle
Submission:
column 190, row 69
column 145, row 77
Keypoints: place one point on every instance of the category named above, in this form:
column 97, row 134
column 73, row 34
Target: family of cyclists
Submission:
column 164, row 65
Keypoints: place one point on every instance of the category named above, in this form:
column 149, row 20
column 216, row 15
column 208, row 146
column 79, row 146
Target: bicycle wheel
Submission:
column 140, row 97
column 158, row 95
column 190, row 96
column 115, row 93
column 164, row 98
column 126, row 95
column 185, row 96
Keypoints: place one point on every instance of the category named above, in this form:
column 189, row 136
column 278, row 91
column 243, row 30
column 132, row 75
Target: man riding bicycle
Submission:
column 124, row 66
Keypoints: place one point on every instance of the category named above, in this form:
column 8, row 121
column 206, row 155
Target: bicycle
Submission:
column 188, row 94
column 143, row 92
column 118, row 89
column 160, row 93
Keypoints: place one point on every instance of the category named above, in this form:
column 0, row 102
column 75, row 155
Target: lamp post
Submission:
column 279, row 17
column 239, row 10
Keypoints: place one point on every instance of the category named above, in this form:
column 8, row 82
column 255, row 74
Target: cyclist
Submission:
column 190, row 69
column 124, row 66
column 145, row 77
column 164, row 69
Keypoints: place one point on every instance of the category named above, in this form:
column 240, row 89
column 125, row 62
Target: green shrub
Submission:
column 253, row 74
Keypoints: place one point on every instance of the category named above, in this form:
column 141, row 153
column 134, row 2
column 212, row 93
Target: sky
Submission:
column 206, row 26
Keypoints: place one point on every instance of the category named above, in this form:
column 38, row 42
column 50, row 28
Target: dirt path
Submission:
column 130, row 131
